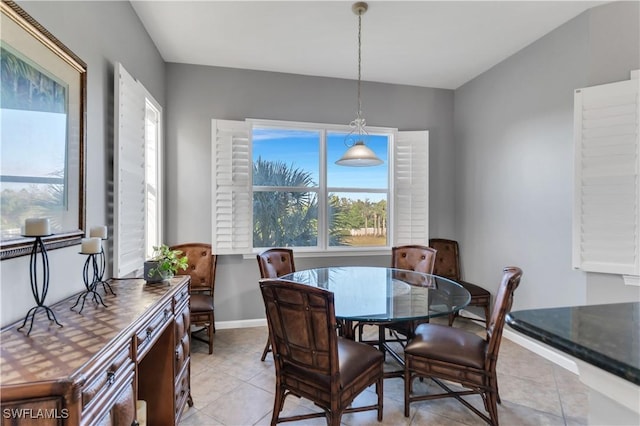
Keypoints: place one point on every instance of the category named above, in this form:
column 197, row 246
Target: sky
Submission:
column 276, row 145
column 33, row 142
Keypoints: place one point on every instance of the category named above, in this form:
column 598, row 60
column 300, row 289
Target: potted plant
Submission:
column 164, row 264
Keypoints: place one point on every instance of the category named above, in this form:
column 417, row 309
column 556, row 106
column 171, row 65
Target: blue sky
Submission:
column 33, row 142
column 300, row 148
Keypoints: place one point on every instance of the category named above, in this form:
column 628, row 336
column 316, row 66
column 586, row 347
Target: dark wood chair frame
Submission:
column 448, row 265
column 273, row 263
column 482, row 381
column 311, row 360
column 411, row 257
column 202, row 269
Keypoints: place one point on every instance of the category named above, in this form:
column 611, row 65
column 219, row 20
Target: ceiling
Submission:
column 439, row 44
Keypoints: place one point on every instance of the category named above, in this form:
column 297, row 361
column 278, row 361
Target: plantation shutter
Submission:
column 231, row 166
column 606, row 236
column 411, row 188
column 129, row 175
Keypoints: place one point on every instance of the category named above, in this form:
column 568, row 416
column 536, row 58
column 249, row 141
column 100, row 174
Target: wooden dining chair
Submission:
column 274, row 263
column 202, row 269
column 311, row 360
column 448, row 265
column 413, row 257
column 446, row 353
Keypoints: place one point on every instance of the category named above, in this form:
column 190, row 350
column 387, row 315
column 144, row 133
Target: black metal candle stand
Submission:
column 102, row 266
column 39, row 290
column 90, row 284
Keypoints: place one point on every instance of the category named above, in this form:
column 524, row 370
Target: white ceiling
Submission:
column 440, row 44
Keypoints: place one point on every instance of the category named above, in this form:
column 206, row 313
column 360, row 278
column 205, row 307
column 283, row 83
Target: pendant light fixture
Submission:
column 358, row 154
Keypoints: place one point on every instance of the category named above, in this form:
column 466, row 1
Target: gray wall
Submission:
column 100, row 33
column 196, row 94
column 509, row 170
column 514, row 148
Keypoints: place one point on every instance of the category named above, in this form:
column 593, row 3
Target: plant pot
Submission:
column 157, row 276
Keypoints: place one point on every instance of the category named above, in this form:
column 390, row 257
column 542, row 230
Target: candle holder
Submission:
column 102, row 267
column 39, row 290
column 90, row 284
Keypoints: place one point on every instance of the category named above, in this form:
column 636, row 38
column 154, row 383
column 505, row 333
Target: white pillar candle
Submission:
column 98, row 231
column 37, row 227
column 91, row 245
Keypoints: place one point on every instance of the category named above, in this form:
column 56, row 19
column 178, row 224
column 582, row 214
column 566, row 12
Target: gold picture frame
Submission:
column 43, row 113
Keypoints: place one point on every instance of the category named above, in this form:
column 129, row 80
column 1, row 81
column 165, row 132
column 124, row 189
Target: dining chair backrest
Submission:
column 276, row 262
column 303, row 327
column 502, row 305
column 201, row 265
column 447, row 262
column 414, row 258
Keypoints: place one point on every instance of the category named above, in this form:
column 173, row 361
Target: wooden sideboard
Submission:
column 92, row 370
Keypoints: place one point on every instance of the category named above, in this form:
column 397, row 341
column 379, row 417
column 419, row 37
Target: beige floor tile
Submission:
column 193, row 417
column 232, row 387
column 244, row 405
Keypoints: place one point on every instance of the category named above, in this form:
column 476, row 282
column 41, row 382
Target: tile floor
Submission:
column 232, row 387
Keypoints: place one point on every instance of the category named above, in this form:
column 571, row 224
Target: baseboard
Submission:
column 537, row 348
column 542, row 350
column 260, row 322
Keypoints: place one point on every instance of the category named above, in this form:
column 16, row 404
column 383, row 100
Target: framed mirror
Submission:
column 42, row 121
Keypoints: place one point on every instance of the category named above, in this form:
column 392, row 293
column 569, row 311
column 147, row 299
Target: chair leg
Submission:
column 493, row 407
column 486, row 314
column 277, row 404
column 407, row 387
column 211, row 330
column 380, row 392
column 267, row 349
column 452, row 318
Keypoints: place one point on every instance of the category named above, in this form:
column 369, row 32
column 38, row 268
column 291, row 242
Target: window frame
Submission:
column 131, row 161
column 231, row 202
column 323, row 191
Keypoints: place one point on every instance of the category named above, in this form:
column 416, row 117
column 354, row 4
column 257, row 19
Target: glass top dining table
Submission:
column 379, row 294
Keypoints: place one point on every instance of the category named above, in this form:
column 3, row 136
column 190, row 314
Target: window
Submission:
column 275, row 184
column 299, row 200
column 137, row 175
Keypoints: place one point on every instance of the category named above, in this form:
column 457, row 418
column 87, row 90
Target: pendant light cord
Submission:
column 359, row 61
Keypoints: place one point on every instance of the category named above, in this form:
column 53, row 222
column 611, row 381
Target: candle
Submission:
column 91, row 245
column 98, row 231
column 37, row 227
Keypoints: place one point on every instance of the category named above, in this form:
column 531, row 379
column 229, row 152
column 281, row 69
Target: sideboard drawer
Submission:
column 152, row 329
column 180, row 297
column 104, row 376
column 117, row 407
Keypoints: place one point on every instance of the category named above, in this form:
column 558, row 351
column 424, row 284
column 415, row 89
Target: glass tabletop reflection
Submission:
column 378, row 294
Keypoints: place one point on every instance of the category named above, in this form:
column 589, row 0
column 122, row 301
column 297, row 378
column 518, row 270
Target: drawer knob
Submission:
column 166, row 314
column 148, row 338
column 111, row 378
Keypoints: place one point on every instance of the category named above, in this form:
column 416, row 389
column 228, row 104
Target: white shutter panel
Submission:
column 606, row 235
column 231, row 171
column 411, row 188
column 129, row 177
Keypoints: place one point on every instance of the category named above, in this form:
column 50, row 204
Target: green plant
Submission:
column 169, row 261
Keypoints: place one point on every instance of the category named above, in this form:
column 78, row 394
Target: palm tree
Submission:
column 283, row 218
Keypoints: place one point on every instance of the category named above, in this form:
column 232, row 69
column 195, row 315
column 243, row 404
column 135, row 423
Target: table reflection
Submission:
column 378, row 294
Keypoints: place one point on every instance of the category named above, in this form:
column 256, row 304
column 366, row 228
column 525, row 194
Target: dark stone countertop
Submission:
column 606, row 336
